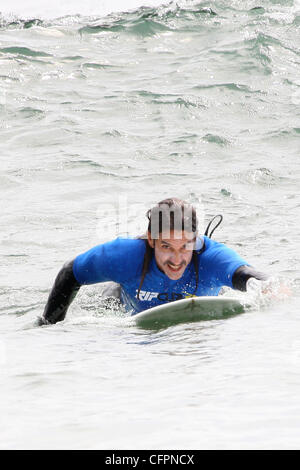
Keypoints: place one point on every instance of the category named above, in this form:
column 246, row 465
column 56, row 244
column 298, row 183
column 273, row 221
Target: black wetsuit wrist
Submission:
column 62, row 294
column 242, row 274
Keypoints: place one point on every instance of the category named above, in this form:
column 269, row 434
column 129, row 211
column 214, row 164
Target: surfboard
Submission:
column 189, row 310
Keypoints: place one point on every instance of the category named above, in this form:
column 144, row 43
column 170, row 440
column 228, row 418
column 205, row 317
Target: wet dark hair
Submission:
column 168, row 215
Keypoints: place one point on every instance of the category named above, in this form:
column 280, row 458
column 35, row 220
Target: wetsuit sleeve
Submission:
column 62, row 294
column 242, row 274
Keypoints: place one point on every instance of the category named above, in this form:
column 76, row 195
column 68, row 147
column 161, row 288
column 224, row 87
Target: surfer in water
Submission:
column 171, row 262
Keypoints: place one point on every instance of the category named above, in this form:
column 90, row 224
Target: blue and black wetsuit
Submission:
column 121, row 261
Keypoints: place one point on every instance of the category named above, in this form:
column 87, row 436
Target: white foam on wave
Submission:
column 44, row 9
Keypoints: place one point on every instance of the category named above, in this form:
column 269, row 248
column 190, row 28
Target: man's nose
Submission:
column 176, row 257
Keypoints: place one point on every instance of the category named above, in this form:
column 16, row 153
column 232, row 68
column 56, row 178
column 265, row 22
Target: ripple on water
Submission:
column 24, row 51
column 239, row 87
column 94, row 65
column 29, row 112
column 216, row 139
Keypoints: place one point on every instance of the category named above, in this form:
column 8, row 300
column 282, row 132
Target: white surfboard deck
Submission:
column 189, row 310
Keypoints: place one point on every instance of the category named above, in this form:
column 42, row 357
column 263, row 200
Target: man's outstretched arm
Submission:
column 61, row 296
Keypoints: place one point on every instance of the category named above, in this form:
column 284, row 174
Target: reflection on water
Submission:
column 192, row 340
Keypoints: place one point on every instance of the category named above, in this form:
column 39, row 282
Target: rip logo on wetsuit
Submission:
column 144, row 295
column 162, row 296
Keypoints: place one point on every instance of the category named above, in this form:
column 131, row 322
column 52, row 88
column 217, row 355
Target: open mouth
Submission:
column 174, row 269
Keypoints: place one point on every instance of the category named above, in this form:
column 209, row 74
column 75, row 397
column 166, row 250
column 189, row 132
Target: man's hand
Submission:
column 273, row 288
column 40, row 321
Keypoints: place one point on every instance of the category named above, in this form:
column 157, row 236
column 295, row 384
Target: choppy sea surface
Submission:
column 101, row 116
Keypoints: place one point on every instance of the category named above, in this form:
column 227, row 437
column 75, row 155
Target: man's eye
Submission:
column 187, row 247
column 165, row 247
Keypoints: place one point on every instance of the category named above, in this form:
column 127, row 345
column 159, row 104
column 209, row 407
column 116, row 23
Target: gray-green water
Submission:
column 99, row 118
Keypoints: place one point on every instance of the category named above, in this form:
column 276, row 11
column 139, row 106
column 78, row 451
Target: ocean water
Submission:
column 105, row 109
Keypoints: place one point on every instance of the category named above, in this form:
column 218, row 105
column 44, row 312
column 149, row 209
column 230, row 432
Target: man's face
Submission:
column 173, row 252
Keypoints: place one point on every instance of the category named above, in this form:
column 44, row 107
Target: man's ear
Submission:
column 150, row 241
